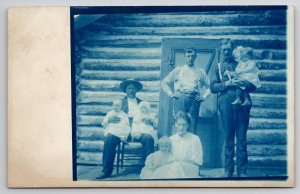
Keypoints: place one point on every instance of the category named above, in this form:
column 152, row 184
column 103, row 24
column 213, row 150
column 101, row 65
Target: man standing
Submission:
column 191, row 87
column 130, row 106
column 234, row 118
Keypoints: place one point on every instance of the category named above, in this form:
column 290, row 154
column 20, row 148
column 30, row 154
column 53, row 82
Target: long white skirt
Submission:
column 172, row 171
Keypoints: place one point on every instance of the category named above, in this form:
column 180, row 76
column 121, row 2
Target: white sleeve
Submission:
column 197, row 152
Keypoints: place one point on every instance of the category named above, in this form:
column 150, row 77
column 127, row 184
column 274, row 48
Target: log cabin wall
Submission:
column 120, row 46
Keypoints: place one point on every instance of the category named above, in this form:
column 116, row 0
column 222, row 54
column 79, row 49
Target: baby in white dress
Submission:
column 157, row 162
column 245, row 70
column 120, row 129
column 144, row 121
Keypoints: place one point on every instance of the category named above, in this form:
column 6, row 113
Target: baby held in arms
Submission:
column 120, row 129
column 245, row 70
column 156, row 161
column 144, row 122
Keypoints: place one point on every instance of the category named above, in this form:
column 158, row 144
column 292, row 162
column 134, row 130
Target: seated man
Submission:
column 130, row 106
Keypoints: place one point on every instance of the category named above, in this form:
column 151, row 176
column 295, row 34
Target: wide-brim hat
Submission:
column 124, row 84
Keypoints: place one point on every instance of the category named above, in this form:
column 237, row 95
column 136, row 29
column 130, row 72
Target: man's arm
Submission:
column 216, row 85
column 168, row 80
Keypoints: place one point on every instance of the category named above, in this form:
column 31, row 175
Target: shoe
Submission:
column 242, row 175
column 247, row 102
column 103, row 176
column 228, row 174
column 237, row 101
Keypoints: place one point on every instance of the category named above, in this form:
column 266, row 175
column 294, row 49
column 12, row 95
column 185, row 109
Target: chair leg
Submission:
column 118, row 158
column 122, row 155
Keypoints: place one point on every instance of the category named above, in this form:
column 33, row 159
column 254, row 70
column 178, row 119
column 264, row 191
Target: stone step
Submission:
column 267, row 123
column 273, row 17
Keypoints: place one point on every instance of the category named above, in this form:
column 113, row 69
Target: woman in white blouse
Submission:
column 187, row 154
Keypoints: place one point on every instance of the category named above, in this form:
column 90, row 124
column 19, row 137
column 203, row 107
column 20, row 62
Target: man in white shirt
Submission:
column 130, row 106
column 191, row 87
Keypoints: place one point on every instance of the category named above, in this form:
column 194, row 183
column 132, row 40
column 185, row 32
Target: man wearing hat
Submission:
column 130, row 106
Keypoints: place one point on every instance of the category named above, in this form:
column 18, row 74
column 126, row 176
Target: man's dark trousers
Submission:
column 235, row 122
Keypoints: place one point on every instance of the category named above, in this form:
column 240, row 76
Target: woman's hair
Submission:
column 183, row 115
column 164, row 139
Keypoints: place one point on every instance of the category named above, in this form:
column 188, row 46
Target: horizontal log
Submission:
column 258, row 100
column 267, row 123
column 266, row 150
column 272, row 88
column 187, row 30
column 89, row 158
column 278, row 42
column 132, row 148
column 121, row 75
column 122, row 40
column 155, row 53
column 109, row 85
column 268, row 162
column 159, row 20
column 101, row 110
column 271, row 64
column 121, row 64
column 273, row 75
column 266, row 137
column 90, row 146
column 90, row 133
column 268, row 113
column 92, row 120
column 268, row 101
column 121, row 53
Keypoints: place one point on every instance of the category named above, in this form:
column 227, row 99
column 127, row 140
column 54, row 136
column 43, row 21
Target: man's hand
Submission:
column 175, row 95
column 199, row 98
column 114, row 119
column 238, row 82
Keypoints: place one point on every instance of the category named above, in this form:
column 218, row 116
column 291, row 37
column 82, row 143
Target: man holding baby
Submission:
column 129, row 106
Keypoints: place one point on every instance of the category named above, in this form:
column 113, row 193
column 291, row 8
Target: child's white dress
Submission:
column 139, row 127
column 248, row 71
column 120, row 129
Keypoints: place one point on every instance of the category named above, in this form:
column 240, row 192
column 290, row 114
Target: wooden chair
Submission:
column 130, row 153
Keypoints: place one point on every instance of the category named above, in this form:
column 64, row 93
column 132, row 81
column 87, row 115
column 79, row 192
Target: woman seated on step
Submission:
column 181, row 159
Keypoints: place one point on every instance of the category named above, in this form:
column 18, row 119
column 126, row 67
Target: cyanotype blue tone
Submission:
column 212, row 79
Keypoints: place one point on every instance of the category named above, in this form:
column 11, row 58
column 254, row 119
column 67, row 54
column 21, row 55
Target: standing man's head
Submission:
column 226, row 49
column 190, row 56
column 131, row 87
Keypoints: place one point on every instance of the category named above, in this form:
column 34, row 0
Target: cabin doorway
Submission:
column 208, row 130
